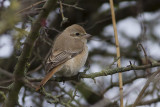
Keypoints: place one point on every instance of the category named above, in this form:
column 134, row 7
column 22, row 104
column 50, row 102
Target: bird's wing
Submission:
column 54, row 61
column 60, row 57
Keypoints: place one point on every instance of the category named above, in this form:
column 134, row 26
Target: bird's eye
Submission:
column 77, row 34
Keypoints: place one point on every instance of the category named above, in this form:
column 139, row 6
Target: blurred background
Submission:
column 138, row 22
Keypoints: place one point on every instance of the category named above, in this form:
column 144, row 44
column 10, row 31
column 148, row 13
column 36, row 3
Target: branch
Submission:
column 42, row 91
column 64, row 19
column 4, row 88
column 149, row 102
column 6, row 73
column 73, row 6
column 31, row 6
column 115, row 84
column 105, row 72
column 12, row 99
column 121, row 69
column 139, row 97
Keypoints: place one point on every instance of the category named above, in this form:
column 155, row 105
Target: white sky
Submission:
column 6, row 47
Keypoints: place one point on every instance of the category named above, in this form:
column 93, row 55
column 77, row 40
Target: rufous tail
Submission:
column 47, row 77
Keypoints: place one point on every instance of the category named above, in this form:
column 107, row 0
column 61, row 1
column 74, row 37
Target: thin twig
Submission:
column 6, row 81
column 35, row 70
column 118, row 52
column 145, row 55
column 98, row 22
column 49, row 95
column 31, row 6
column 149, row 102
column 115, row 84
column 41, row 65
column 115, row 60
column 64, row 19
column 73, row 6
column 138, row 99
column 6, row 72
column 4, row 88
column 42, row 91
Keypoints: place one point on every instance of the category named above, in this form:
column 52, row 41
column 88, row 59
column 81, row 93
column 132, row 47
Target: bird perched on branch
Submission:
column 69, row 53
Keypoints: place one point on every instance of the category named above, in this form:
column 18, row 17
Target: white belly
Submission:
column 72, row 66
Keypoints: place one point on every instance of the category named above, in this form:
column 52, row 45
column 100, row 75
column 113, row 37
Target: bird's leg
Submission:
column 41, row 88
column 79, row 75
column 63, row 80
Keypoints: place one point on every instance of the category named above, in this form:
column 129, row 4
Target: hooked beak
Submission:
column 87, row 36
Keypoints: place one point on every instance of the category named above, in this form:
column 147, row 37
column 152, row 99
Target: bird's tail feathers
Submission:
column 47, row 77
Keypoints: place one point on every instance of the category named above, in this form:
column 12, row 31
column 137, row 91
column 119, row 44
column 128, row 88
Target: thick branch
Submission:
column 22, row 61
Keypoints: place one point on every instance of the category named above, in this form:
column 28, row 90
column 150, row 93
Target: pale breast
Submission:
column 72, row 66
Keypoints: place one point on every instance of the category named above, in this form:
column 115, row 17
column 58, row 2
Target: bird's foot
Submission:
column 79, row 76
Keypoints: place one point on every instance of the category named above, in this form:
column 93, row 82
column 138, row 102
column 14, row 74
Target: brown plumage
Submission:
column 69, row 53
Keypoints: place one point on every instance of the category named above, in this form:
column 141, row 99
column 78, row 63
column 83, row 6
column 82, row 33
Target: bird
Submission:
column 68, row 54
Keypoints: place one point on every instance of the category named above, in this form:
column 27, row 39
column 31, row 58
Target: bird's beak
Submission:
column 87, row 36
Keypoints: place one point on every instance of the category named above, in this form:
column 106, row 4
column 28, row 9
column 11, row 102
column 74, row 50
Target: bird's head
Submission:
column 77, row 31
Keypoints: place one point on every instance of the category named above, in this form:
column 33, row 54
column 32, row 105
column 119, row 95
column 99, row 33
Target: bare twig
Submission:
column 4, row 88
column 53, row 29
column 44, row 37
column 138, row 99
column 42, row 91
column 115, row 60
column 98, row 22
column 28, row 83
column 41, row 65
column 55, row 99
column 35, row 70
column 124, row 83
column 145, row 54
column 149, row 102
column 64, row 19
column 31, row 6
column 6, row 81
column 6, row 72
column 118, row 52
column 73, row 6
